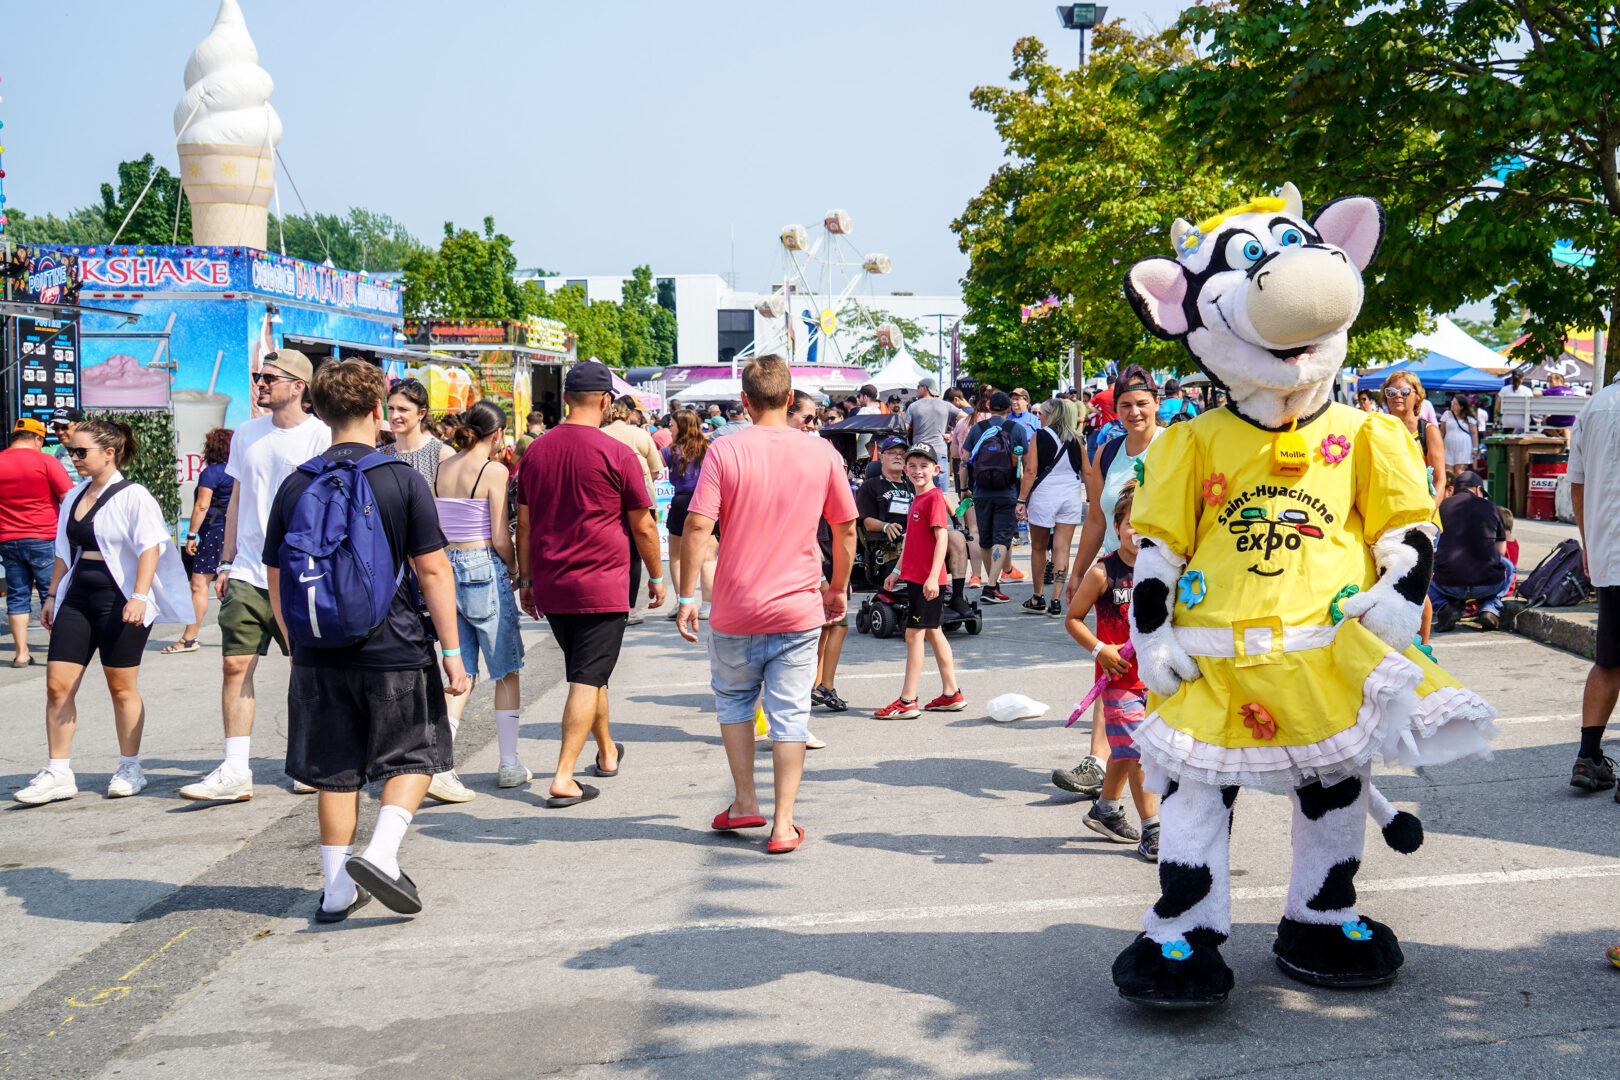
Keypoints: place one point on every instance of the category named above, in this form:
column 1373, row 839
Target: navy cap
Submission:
column 589, row 377
column 893, row 442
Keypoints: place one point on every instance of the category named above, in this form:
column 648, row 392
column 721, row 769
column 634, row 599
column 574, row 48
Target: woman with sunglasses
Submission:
column 117, row 572
column 414, row 442
column 1403, row 399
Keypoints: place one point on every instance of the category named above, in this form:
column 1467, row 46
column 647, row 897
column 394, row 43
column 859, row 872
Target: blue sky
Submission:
column 600, row 135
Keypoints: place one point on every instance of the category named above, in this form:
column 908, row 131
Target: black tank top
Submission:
column 81, row 533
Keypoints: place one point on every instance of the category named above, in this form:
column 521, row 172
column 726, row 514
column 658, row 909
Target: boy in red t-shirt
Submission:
column 922, row 568
column 1107, row 587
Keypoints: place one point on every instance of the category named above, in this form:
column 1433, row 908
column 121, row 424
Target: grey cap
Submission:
column 927, row 383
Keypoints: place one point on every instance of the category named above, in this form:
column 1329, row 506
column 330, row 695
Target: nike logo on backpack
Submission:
column 309, row 577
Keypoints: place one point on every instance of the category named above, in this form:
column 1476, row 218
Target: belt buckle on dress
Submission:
column 1246, row 658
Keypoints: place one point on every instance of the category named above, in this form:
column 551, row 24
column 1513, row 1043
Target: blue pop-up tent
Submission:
column 1437, row 373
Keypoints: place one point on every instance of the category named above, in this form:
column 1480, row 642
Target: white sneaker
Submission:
column 301, row 788
column 219, row 786
column 703, row 611
column 447, row 787
column 128, row 780
column 813, row 743
column 635, row 619
column 514, row 776
column 47, row 786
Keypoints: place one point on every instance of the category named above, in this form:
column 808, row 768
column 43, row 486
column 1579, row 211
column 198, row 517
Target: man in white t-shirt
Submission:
column 1594, row 485
column 264, row 452
column 1515, row 388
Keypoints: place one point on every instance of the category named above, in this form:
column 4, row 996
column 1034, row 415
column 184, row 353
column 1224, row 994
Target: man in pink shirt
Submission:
column 767, row 489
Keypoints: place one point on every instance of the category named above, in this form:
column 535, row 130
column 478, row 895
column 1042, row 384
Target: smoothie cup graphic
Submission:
column 196, row 413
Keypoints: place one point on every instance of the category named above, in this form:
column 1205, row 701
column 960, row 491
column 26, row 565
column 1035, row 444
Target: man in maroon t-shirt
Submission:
column 32, row 484
column 581, row 496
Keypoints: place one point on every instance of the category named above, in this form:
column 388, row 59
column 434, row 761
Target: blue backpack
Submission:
column 338, row 577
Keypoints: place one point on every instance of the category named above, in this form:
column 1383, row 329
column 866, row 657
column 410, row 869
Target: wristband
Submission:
column 686, row 599
column 144, row 598
column 655, row 581
column 525, row 584
column 1096, row 654
column 450, row 652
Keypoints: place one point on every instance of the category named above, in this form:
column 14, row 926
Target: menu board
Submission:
column 45, row 355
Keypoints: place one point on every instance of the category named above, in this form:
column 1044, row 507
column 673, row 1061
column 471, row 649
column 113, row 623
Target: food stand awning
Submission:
column 1436, row 374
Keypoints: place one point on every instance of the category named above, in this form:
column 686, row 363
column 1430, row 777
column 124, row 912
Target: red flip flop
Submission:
column 724, row 822
column 782, row 847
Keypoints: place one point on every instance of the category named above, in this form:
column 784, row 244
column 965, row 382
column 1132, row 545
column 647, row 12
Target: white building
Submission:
column 717, row 322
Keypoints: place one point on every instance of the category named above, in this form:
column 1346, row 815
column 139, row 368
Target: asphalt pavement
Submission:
column 947, row 915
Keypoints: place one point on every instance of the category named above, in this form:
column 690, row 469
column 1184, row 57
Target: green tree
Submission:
column 666, row 325
column 1488, row 129
column 858, row 335
column 596, row 324
column 81, row 226
column 468, row 277
column 156, row 218
column 636, row 307
column 359, row 240
column 1090, row 185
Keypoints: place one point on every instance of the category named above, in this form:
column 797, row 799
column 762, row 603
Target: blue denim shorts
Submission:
column 29, row 563
column 486, row 612
column 773, row 670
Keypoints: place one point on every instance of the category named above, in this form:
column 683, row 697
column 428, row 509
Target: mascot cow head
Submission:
column 1262, row 298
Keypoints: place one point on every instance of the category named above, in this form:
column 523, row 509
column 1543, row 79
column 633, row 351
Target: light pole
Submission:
column 1081, row 17
column 939, row 343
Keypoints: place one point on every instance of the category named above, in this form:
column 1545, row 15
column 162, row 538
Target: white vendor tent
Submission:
column 901, row 373
column 1453, row 343
column 716, row 390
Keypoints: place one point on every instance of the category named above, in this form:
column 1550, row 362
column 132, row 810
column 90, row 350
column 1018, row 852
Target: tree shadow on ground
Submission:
column 978, row 778
column 49, row 893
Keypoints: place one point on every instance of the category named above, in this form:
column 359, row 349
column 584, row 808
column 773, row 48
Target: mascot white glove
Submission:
column 1160, row 660
column 1393, row 608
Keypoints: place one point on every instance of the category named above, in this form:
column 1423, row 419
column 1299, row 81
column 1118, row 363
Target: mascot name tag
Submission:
column 1288, row 454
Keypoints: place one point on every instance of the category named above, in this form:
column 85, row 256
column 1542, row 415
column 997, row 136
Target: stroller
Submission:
column 883, row 615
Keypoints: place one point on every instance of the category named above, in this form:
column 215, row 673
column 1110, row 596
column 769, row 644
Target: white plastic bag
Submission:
column 1009, row 707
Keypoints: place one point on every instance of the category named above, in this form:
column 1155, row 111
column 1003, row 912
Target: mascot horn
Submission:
column 1286, row 544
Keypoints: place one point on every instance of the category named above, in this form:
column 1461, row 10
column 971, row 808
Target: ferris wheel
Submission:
column 826, row 292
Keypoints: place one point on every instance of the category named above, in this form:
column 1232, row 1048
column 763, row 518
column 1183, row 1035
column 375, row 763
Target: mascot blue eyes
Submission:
column 1257, row 681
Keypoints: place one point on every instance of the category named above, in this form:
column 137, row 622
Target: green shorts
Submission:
column 246, row 623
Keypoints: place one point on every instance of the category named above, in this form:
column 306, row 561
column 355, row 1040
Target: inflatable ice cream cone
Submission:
column 229, row 189
column 228, row 133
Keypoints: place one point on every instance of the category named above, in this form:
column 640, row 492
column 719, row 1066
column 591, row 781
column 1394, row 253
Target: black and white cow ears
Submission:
column 1157, row 289
column 1354, row 225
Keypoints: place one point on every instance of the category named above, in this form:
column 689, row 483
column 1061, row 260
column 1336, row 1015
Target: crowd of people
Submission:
column 766, row 528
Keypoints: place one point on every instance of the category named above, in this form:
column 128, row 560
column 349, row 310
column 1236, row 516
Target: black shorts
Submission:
column 350, row 726
column 91, row 619
column 997, row 516
column 1608, row 627
column 923, row 614
column 676, row 520
column 590, row 643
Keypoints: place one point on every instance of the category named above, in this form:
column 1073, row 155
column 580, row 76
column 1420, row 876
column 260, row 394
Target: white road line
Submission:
column 1562, row 718
column 1056, row 905
column 1073, row 665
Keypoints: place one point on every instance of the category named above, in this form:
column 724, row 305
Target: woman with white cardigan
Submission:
column 117, row 572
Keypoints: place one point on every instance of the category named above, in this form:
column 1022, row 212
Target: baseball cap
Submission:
column 292, row 362
column 30, row 425
column 1000, row 402
column 893, row 442
column 1465, row 479
column 592, row 376
column 65, row 415
column 927, row 383
column 923, row 450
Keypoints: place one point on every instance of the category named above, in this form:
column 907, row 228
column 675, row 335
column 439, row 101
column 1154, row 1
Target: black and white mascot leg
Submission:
column 1176, row 961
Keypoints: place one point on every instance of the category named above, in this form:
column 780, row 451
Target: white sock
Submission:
column 236, row 755
column 1108, row 806
column 506, row 734
column 383, row 851
column 58, row 765
column 455, row 725
column 1151, row 822
column 122, row 760
column 340, row 887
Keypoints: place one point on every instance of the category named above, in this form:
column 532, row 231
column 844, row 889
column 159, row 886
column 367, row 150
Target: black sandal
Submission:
column 599, row 771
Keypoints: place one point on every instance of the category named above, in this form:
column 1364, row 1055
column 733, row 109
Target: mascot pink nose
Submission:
column 1302, row 295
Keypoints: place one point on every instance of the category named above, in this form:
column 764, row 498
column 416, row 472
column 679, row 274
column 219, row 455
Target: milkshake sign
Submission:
column 156, row 272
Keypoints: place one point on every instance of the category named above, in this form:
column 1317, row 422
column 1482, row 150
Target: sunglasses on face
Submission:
column 1397, row 393
column 77, row 453
column 268, row 379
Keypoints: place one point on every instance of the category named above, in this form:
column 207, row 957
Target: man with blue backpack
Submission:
column 354, row 554
column 994, row 447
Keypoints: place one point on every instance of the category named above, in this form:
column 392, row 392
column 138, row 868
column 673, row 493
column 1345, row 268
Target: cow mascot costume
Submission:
column 1286, row 546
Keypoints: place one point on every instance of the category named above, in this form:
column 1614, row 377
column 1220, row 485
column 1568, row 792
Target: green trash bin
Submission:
column 1496, row 466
